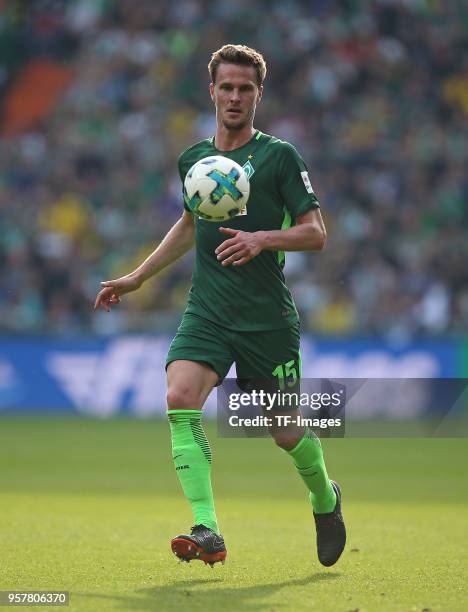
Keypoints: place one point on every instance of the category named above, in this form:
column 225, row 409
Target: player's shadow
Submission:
column 192, row 595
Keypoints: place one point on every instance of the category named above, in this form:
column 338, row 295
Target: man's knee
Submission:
column 181, row 397
column 188, row 384
column 287, row 438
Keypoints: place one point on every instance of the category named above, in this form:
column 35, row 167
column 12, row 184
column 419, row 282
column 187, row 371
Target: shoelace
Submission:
column 197, row 528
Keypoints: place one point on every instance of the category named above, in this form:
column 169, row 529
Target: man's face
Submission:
column 235, row 95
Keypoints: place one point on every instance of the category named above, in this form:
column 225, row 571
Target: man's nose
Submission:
column 235, row 95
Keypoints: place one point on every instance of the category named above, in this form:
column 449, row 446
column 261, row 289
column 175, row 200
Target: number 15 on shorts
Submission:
column 287, row 373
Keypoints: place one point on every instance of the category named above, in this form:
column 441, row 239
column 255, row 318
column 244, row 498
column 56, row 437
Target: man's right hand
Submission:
column 113, row 289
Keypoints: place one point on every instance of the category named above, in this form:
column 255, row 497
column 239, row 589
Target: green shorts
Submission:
column 265, row 356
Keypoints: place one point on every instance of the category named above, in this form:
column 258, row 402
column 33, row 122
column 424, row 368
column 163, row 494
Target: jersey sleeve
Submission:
column 182, row 172
column 295, row 187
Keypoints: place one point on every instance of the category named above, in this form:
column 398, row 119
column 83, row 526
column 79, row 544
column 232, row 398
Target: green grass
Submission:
column 90, row 506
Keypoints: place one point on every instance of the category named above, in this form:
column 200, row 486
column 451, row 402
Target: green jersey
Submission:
column 253, row 296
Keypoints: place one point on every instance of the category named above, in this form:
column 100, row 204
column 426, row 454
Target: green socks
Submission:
column 308, row 458
column 192, row 458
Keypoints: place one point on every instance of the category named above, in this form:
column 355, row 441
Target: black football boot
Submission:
column 202, row 543
column 331, row 532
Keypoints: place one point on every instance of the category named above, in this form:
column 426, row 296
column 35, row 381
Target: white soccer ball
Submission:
column 216, row 188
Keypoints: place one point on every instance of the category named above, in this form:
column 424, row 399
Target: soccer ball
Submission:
column 216, row 188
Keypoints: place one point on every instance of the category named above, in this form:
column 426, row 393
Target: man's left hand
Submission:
column 240, row 248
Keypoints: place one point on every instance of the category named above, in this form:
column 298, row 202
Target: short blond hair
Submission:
column 238, row 54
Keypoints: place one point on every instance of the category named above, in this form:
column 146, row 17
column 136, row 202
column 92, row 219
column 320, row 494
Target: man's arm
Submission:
column 308, row 234
column 179, row 239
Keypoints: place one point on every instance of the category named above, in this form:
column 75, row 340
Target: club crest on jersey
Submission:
column 306, row 180
column 248, row 169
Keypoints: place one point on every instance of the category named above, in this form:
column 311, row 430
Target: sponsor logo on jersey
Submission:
column 306, row 180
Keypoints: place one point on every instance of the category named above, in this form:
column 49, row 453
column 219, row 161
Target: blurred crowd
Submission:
column 373, row 94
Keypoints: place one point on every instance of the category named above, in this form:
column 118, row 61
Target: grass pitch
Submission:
column 90, row 507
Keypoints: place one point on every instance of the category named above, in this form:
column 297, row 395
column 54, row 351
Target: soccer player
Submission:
column 238, row 270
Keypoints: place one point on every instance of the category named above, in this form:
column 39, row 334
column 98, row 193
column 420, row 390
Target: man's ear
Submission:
column 260, row 93
column 212, row 91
